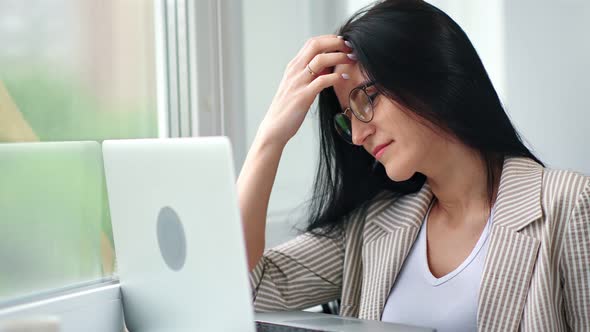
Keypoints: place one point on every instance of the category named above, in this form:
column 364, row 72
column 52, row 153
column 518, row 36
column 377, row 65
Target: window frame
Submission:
column 92, row 307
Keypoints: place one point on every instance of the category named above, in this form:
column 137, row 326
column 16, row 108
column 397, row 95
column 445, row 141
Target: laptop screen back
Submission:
column 178, row 237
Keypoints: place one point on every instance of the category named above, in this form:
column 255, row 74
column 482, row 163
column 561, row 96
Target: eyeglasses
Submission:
column 361, row 105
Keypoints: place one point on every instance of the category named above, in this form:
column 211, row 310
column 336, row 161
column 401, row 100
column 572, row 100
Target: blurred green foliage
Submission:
column 60, row 106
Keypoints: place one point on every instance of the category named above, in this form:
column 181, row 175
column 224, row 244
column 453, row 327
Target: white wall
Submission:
column 548, row 78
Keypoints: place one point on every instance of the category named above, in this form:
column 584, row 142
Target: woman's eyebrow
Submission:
column 365, row 83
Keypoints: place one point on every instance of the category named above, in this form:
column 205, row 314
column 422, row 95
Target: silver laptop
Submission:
column 309, row 321
column 178, row 239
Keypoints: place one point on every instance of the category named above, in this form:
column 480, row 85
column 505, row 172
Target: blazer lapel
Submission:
column 388, row 237
column 511, row 255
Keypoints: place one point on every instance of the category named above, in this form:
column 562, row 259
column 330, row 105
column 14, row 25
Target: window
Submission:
column 70, row 70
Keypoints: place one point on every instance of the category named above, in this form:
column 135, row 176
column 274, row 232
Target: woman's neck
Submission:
column 458, row 178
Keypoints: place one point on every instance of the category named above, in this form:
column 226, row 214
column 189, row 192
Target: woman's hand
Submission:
column 306, row 75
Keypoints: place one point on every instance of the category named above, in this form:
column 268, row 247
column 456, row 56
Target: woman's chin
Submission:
column 398, row 175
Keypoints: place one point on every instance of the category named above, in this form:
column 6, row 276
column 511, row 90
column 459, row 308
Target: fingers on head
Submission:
column 319, row 45
column 324, row 81
column 324, row 61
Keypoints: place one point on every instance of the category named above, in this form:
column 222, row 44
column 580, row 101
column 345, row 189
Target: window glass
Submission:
column 70, row 70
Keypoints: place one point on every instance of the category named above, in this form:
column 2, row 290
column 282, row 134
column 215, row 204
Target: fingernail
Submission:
column 340, row 37
column 352, row 56
column 347, row 43
column 345, row 76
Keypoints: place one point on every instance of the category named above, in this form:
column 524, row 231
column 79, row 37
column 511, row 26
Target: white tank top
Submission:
column 448, row 303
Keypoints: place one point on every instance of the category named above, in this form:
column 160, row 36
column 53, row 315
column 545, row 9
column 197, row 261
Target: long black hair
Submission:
column 420, row 58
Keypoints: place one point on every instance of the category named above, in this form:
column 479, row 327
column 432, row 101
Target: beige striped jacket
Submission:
column 536, row 275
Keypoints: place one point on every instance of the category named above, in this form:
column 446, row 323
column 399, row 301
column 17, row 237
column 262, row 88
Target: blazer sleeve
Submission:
column 301, row 273
column 575, row 263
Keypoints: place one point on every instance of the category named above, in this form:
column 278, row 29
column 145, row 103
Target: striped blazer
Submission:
column 536, row 275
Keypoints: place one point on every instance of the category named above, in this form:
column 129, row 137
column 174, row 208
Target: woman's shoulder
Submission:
column 556, row 185
column 564, row 190
column 564, row 182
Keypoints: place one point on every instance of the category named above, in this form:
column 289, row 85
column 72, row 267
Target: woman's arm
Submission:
column 301, row 273
column 254, row 186
column 297, row 91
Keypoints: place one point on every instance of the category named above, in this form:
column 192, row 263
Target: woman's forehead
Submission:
column 343, row 87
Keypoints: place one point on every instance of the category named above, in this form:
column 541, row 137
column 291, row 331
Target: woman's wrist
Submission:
column 264, row 142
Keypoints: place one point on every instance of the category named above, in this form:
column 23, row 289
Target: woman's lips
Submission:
column 380, row 150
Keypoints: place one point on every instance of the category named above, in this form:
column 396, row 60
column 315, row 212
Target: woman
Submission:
column 428, row 208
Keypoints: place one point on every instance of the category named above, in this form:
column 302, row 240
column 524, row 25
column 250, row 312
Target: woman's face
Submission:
column 396, row 139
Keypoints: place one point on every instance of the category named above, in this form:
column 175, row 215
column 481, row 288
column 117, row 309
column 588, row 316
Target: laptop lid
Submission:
column 178, row 237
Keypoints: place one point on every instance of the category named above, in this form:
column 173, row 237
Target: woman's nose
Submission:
column 360, row 131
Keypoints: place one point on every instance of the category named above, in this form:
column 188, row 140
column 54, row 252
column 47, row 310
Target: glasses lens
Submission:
column 343, row 127
column 361, row 106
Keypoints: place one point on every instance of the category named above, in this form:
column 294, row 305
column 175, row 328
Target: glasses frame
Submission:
column 363, row 88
